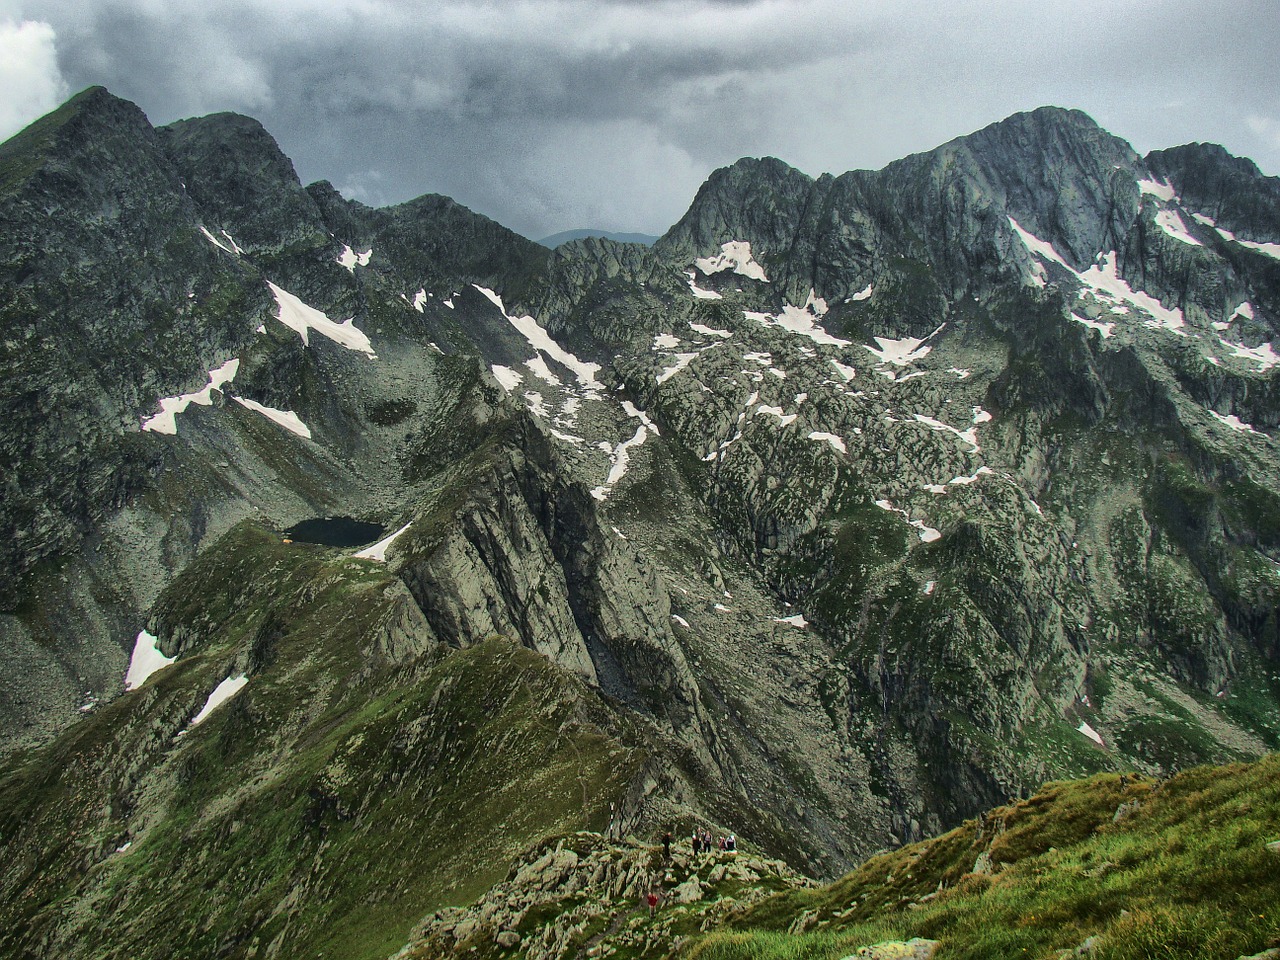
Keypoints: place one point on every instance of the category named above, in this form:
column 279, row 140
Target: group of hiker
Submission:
column 703, row 842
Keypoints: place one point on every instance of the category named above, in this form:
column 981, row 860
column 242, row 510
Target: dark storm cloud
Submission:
column 550, row 114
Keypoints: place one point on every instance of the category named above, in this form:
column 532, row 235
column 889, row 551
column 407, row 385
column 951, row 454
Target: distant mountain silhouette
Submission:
column 556, row 239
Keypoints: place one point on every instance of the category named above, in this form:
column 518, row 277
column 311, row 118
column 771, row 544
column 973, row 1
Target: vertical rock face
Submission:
column 852, row 506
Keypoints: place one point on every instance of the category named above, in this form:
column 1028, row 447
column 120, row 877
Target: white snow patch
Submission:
column 1234, row 422
column 1161, row 191
column 801, row 321
column 378, row 551
column 620, row 455
column 540, row 370
column 166, row 420
column 680, row 620
column 665, row 341
column 260, row 328
column 301, row 318
column 831, row 438
column 541, row 340
column 1106, row 281
column 972, row 478
column 844, row 370
column 1171, row 223
column 635, row 413
column 927, row 533
column 815, row 304
column 1264, row 355
column 969, row 436
column 929, row 587
column 223, row 692
column 682, row 361
column 350, row 259
column 1089, row 732
column 420, row 300
column 763, row 359
column 709, row 331
column 980, row 415
column 218, row 243
column 736, row 256
column 537, row 404
column 1037, row 246
column 863, row 294
column 145, row 661
column 124, row 846
column 902, row 352
column 796, row 620
column 786, row 418
column 566, row 437
column 1106, row 329
column 285, row 418
column 509, row 378
column 780, row 374
column 702, row 294
column 448, row 303
column 722, row 608
column 1270, row 249
column 960, row 372
column 1244, row 310
column 796, row 321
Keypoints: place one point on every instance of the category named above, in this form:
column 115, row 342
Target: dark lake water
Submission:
column 335, row 532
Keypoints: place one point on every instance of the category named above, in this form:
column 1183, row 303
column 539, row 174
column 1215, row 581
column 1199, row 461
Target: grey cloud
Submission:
column 552, row 114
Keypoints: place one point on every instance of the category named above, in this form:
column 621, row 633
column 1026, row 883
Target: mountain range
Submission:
column 850, row 508
column 556, row 239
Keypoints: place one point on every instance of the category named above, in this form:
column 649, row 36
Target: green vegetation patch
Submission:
column 1175, row 869
column 332, row 803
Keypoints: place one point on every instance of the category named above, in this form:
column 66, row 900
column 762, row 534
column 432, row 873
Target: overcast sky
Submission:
column 555, row 114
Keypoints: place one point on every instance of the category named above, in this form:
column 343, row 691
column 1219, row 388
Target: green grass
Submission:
column 1186, row 874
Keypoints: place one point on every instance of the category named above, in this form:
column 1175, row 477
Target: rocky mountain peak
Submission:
column 93, row 135
column 237, row 175
column 1230, row 190
column 755, row 199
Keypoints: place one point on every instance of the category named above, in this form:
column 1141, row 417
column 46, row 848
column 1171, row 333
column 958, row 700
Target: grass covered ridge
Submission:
column 342, row 795
column 1173, row 869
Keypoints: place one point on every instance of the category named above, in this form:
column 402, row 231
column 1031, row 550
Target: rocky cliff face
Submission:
column 852, row 506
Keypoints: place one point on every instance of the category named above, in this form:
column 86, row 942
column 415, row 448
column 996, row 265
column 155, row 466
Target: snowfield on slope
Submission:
column 302, row 319
column 166, row 420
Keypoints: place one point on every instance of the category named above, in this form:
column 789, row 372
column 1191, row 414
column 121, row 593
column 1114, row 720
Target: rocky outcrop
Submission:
column 581, row 894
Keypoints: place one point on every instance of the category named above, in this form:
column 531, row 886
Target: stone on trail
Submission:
column 916, row 948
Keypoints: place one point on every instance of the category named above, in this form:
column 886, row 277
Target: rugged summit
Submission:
column 851, row 507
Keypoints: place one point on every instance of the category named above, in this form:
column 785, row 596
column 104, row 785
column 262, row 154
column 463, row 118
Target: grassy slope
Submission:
column 331, row 804
column 1185, row 874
